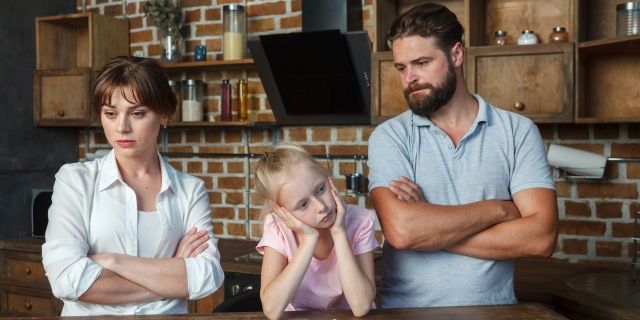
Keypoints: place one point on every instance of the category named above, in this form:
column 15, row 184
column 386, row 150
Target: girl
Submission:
column 317, row 250
column 127, row 233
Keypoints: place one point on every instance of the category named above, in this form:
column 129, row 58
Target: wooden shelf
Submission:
column 208, row 65
column 258, row 124
column 627, row 44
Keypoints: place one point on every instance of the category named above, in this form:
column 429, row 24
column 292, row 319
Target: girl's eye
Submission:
column 303, row 205
column 322, row 188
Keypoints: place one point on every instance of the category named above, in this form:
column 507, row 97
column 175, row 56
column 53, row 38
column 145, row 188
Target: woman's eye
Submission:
column 109, row 114
column 138, row 114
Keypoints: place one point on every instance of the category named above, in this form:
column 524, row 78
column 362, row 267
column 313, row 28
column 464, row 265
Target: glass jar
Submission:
column 192, row 100
column 243, row 112
column 559, row 34
column 175, row 87
column 527, row 37
column 500, row 38
column 225, row 101
column 233, row 40
column 172, row 45
column 628, row 19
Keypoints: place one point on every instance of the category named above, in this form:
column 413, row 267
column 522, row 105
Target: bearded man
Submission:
column 460, row 187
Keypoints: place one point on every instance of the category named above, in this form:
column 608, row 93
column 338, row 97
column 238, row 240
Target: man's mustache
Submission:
column 416, row 87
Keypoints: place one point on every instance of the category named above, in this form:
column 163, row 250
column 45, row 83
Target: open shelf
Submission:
column 626, row 44
column 259, row 124
column 208, row 65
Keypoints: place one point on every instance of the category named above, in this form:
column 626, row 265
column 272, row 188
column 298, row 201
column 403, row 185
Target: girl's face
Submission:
column 131, row 128
column 307, row 195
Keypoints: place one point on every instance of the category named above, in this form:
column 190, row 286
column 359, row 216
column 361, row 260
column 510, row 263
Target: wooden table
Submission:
column 525, row 311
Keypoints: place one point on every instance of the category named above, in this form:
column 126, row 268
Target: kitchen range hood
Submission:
column 316, row 77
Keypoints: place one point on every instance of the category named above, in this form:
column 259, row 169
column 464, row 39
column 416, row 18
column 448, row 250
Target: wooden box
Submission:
column 61, row 97
column 80, row 40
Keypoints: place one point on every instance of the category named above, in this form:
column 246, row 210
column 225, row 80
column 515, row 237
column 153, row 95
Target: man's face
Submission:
column 427, row 74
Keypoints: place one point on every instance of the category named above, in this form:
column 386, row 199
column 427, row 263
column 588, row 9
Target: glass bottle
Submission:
column 559, row 34
column 500, row 38
column 527, row 37
column 192, row 100
column 225, row 101
column 233, row 40
column 243, row 112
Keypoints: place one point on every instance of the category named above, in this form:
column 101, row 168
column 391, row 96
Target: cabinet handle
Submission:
column 60, row 113
column 28, row 305
column 27, row 270
column 519, row 105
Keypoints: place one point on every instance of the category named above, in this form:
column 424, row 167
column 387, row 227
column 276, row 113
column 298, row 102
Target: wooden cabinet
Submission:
column 24, row 288
column 591, row 78
column 70, row 49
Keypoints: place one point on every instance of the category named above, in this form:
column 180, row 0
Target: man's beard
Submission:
column 439, row 96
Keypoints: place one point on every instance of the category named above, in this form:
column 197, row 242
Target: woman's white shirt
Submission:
column 93, row 211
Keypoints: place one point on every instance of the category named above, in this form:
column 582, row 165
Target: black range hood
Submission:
column 316, row 77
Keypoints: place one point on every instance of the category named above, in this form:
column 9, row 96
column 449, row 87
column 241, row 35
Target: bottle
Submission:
column 192, row 100
column 233, row 40
column 225, row 101
column 243, row 112
column 527, row 37
column 500, row 38
column 559, row 34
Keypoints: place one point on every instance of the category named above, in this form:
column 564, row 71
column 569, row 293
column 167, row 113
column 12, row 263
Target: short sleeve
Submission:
column 389, row 155
column 531, row 169
column 362, row 227
column 273, row 236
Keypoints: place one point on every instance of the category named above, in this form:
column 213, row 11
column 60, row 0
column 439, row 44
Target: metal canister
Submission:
column 628, row 19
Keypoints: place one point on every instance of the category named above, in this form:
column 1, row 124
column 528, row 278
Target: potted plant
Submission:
column 168, row 19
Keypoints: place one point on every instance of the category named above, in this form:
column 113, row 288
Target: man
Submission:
column 460, row 187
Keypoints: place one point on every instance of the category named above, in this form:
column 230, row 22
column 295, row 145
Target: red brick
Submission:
column 611, row 170
column 218, row 228
column 234, row 198
column 348, row 149
column 215, row 197
column 113, row 10
column 296, row 5
column 257, row 136
column 575, row 246
column 563, row 189
column 346, row 134
column 366, row 133
column 208, row 182
column 191, row 16
column 136, row 23
column 132, row 9
column 625, row 150
column 215, row 167
column 212, row 136
column 622, row 230
column 321, row 134
column 608, row 248
column 216, row 149
column 294, row 22
column 195, row 3
column 347, row 167
column 608, row 190
column 209, row 29
column 213, row 14
column 223, row 213
column 573, row 131
column 236, row 183
column 180, row 149
column 609, row 209
column 266, row 9
column 260, row 25
column 583, row 228
column 316, row 150
column 141, row 36
column 546, row 130
column 297, row 134
column 236, row 229
column 176, row 165
column 634, row 209
column 606, row 131
column 194, row 167
column 633, row 170
column 232, row 135
column 577, row 209
column 235, row 167
column 192, row 136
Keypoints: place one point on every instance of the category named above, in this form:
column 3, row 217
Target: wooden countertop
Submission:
column 525, row 311
column 602, row 291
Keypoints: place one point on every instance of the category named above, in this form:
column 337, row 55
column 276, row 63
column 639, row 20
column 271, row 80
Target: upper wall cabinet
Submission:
column 70, row 49
column 590, row 78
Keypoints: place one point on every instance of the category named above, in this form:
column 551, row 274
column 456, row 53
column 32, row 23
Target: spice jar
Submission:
column 527, row 37
column 233, row 41
column 559, row 34
column 192, row 100
column 500, row 38
column 628, row 19
column 225, row 101
column 243, row 112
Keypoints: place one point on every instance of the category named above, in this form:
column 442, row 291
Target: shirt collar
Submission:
column 480, row 118
column 111, row 174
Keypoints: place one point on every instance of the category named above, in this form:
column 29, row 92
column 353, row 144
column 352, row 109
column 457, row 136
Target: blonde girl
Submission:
column 317, row 250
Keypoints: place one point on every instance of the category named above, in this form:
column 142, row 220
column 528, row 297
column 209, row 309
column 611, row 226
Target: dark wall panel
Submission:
column 29, row 156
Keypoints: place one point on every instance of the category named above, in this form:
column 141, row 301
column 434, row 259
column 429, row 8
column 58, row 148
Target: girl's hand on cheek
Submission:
column 338, row 225
column 294, row 223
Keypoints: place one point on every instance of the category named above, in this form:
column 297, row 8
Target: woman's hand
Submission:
column 299, row 227
column 338, row 224
column 192, row 244
column 406, row 190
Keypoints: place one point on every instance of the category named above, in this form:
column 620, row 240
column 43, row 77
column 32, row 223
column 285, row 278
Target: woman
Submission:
column 127, row 233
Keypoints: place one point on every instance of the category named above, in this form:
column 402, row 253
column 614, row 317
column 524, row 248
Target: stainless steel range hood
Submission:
column 316, row 77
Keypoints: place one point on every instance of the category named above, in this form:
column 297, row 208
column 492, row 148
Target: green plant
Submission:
column 163, row 14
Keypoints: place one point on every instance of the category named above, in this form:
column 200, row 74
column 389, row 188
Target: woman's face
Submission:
column 307, row 195
column 131, row 128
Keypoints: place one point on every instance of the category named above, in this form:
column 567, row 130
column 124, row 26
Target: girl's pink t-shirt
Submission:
column 320, row 288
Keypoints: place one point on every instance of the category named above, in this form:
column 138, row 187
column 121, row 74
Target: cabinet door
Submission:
column 23, row 269
column 533, row 80
column 28, row 301
column 61, row 97
column 386, row 89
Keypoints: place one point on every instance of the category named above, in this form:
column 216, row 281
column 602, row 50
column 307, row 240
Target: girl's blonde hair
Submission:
column 273, row 167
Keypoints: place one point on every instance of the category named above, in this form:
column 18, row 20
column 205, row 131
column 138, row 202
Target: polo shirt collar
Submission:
column 482, row 116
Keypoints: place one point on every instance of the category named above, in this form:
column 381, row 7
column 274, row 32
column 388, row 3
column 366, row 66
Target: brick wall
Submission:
column 596, row 216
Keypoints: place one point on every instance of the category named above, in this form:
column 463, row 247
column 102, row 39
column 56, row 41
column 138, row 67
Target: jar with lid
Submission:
column 527, row 37
column 628, row 19
column 233, row 40
column 192, row 100
column 559, row 34
column 175, row 87
column 500, row 38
